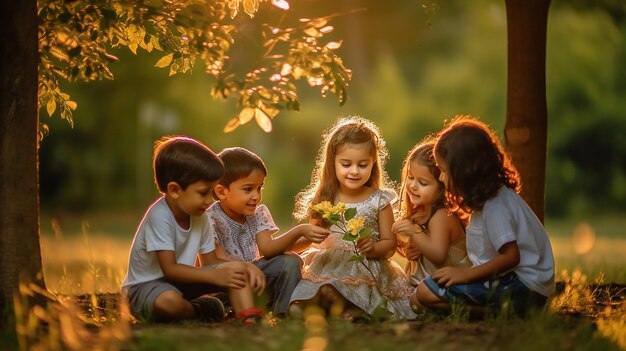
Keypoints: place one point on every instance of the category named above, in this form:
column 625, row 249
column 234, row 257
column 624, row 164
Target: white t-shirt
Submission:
column 506, row 218
column 159, row 231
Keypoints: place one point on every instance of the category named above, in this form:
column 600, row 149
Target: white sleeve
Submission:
column 159, row 232
column 500, row 225
column 207, row 243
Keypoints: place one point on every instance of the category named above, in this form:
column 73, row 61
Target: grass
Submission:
column 586, row 314
column 93, row 257
column 67, row 328
column 595, row 246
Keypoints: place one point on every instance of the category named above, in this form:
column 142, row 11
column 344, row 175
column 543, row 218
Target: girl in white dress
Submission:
column 350, row 170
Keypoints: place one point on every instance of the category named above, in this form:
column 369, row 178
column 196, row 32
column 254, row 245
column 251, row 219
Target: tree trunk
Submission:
column 527, row 113
column 20, row 254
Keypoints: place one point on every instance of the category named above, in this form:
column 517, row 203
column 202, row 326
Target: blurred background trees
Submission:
column 415, row 63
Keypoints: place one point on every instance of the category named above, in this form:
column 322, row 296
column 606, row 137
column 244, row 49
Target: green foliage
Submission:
column 75, row 38
column 411, row 77
column 586, row 169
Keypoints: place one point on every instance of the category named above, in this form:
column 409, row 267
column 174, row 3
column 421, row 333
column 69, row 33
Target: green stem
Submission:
column 364, row 265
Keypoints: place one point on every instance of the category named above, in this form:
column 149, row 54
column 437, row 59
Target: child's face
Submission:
column 194, row 200
column 353, row 165
column 243, row 195
column 421, row 186
column 444, row 176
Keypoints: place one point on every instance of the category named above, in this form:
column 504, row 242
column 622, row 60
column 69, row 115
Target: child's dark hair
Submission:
column 239, row 163
column 324, row 184
column 422, row 153
column 477, row 164
column 184, row 160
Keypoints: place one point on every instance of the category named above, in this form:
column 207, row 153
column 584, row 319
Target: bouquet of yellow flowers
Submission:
column 348, row 224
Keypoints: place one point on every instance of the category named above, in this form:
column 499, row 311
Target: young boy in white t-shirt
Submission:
column 162, row 283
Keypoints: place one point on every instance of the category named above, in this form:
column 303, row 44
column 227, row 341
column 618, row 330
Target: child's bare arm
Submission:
column 229, row 276
column 271, row 246
column 435, row 245
column 506, row 259
column 386, row 246
column 220, row 253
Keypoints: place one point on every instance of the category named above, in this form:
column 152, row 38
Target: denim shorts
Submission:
column 491, row 293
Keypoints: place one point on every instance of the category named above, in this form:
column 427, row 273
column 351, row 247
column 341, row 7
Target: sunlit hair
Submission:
column 422, row 154
column 184, row 160
column 324, row 184
column 239, row 163
column 477, row 164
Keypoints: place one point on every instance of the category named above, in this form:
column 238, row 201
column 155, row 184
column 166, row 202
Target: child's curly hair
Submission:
column 477, row 164
column 324, row 184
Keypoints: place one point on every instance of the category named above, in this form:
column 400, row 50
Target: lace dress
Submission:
column 328, row 263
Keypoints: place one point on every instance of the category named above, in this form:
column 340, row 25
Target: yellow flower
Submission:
column 326, row 209
column 355, row 225
column 339, row 208
column 323, row 207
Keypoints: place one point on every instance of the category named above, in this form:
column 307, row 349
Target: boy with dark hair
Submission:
column 245, row 229
column 162, row 284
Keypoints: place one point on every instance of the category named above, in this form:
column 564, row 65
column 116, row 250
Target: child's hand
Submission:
column 314, row 233
column 365, row 245
column 257, row 278
column 403, row 230
column 413, row 252
column 448, row 276
column 231, row 275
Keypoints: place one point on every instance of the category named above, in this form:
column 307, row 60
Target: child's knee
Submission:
column 423, row 296
column 234, row 264
column 170, row 304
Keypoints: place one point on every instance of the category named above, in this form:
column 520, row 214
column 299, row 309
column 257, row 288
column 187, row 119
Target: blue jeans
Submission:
column 282, row 274
column 491, row 293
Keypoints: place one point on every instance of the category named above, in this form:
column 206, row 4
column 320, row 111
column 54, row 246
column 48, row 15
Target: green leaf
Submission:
column 250, row 7
column 165, row 61
column 246, row 114
column 350, row 213
column 334, row 218
column 319, row 22
column 51, row 106
column 356, row 258
column 232, row 125
column 175, row 67
column 263, row 120
column 364, row 232
column 349, row 237
column 133, row 48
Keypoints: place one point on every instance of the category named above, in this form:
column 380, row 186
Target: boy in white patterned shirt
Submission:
column 244, row 229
